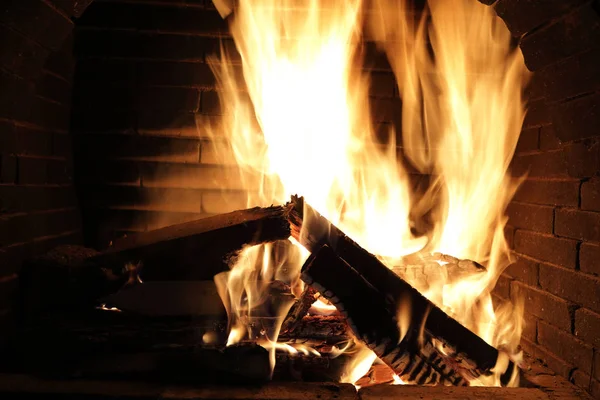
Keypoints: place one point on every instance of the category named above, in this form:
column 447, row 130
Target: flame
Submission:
column 299, row 122
column 462, row 115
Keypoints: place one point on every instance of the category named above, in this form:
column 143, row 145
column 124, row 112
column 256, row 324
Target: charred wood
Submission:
column 198, row 249
column 299, row 310
column 472, row 356
column 64, row 278
column 374, row 322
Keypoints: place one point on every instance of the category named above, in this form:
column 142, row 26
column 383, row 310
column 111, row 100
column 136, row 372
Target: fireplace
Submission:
column 110, row 113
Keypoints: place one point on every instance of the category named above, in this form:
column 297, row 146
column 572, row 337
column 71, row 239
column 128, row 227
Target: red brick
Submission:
column 548, row 139
column 581, row 379
column 530, row 327
column 33, row 142
column 102, row 120
column 577, row 118
column 59, row 172
column 171, row 98
column 162, row 219
column 8, row 137
column 597, row 365
column 535, row 88
column 132, row 45
column 587, row 326
column 551, row 192
column 537, row 114
column 573, row 76
column 547, row 248
column 54, row 88
column 574, row 33
column 140, row 147
column 502, row 288
column 546, row 164
column 37, row 20
column 582, row 159
column 175, row 123
column 176, row 74
column 571, row 285
column 62, row 145
column 32, row 170
column 545, row 306
column 49, row 115
column 549, row 359
column 98, row 72
column 194, row 176
column 26, row 227
column 576, row 224
column 566, row 346
column 530, row 217
column 509, row 235
column 19, row 54
column 594, row 388
column 590, row 195
column 17, row 198
column 62, row 62
column 523, row 16
column 221, row 202
column 142, row 198
column 589, row 258
column 524, row 270
column 210, row 104
column 151, row 17
column 528, row 140
column 8, row 168
column 108, row 172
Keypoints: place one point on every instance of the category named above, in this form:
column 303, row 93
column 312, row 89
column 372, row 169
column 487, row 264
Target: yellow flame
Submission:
column 462, row 114
column 299, row 123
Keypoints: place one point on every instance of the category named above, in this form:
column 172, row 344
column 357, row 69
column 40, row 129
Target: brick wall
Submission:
column 554, row 220
column 143, row 97
column 143, row 93
column 38, row 205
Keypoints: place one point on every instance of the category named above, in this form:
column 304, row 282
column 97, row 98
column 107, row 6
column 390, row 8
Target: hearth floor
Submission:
column 14, row 386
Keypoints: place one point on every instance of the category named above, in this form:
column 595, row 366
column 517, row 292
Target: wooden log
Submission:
column 299, row 310
column 198, row 249
column 372, row 318
column 331, row 327
column 64, row 279
column 313, row 231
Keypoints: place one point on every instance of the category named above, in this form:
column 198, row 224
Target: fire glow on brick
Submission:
column 299, row 123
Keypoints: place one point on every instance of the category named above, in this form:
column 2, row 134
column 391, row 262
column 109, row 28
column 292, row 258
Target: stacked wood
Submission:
column 434, row 347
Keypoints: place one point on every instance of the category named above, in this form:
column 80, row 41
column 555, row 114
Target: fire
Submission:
column 299, row 122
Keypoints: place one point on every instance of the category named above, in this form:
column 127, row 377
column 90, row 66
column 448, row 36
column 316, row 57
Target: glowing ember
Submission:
column 305, row 128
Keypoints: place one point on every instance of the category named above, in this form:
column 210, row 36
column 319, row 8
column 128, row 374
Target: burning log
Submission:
column 210, row 242
column 426, row 271
column 299, row 309
column 433, row 347
column 318, row 327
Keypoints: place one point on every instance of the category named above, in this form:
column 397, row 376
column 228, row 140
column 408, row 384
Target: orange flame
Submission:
column 301, row 124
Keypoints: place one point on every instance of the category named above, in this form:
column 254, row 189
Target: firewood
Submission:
column 198, row 249
column 378, row 285
column 64, row 278
column 299, row 309
column 372, row 318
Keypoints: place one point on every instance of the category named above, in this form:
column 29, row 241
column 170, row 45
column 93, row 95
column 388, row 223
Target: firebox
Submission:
column 358, row 199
